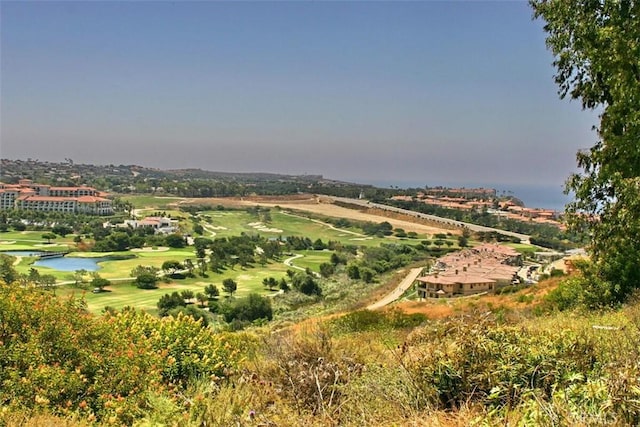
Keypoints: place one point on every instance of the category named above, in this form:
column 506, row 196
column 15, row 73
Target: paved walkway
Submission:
column 289, row 262
column 398, row 291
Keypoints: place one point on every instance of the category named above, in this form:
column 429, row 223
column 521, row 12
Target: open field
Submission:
column 122, row 294
column 309, row 203
column 234, row 222
column 312, row 259
column 143, row 201
column 32, row 240
column 286, row 217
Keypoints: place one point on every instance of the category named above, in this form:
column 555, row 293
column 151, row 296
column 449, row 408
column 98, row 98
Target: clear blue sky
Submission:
column 402, row 92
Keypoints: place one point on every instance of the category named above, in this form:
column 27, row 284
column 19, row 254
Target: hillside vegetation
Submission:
column 62, row 365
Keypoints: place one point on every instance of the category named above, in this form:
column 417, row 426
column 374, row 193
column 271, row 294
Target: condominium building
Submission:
column 28, row 195
column 485, row 268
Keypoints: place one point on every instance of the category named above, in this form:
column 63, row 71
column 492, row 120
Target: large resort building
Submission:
column 484, row 268
column 45, row 198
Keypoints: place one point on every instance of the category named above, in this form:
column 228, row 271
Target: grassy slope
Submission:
column 373, row 396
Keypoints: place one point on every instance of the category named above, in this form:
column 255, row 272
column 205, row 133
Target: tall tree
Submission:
column 202, row 299
column 596, row 44
column 146, row 277
column 171, row 267
column 8, row 273
column 211, row 291
column 229, row 286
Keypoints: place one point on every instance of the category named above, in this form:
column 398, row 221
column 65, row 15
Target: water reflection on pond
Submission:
column 71, row 263
column 62, row 263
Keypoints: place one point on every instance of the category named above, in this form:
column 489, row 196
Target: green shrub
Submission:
column 473, row 360
column 525, row 298
column 359, row 321
column 368, row 320
column 55, row 356
column 248, row 309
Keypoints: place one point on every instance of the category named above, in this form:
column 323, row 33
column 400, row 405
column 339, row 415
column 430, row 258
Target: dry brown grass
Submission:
column 440, row 309
column 17, row 419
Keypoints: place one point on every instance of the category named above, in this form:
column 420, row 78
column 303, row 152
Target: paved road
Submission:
column 289, row 262
column 398, row 291
column 473, row 227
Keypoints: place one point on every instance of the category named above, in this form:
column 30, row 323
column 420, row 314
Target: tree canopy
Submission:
column 596, row 45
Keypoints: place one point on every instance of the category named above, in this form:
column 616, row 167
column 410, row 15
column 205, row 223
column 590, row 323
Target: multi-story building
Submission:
column 45, row 198
column 485, row 268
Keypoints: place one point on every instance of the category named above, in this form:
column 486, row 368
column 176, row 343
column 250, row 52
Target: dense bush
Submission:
column 248, row 309
column 306, row 283
column 168, row 302
column 586, row 289
column 55, row 356
column 311, row 370
column 474, row 360
column 367, row 320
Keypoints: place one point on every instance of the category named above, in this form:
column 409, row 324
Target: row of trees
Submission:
column 550, row 235
column 244, row 310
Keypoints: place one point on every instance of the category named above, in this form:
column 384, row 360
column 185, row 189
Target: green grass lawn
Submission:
column 234, row 222
column 312, row 259
column 32, row 240
column 523, row 248
column 122, row 294
column 217, row 223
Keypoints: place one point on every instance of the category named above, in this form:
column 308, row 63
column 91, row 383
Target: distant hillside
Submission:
column 52, row 171
column 125, row 179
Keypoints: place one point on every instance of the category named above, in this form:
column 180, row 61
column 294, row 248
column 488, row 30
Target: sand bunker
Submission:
column 269, row 230
column 158, row 249
column 261, row 227
column 7, row 242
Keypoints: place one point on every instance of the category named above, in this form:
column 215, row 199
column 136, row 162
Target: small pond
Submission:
column 71, row 263
column 62, row 263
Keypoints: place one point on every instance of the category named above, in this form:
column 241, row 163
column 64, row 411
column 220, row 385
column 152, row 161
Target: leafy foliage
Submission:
column 496, row 365
column 597, row 56
column 367, row 320
column 8, row 273
column 146, row 277
column 229, row 285
column 55, row 355
column 306, row 283
column 248, row 309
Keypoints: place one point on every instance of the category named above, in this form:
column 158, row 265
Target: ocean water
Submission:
column 538, row 196
column 534, row 196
